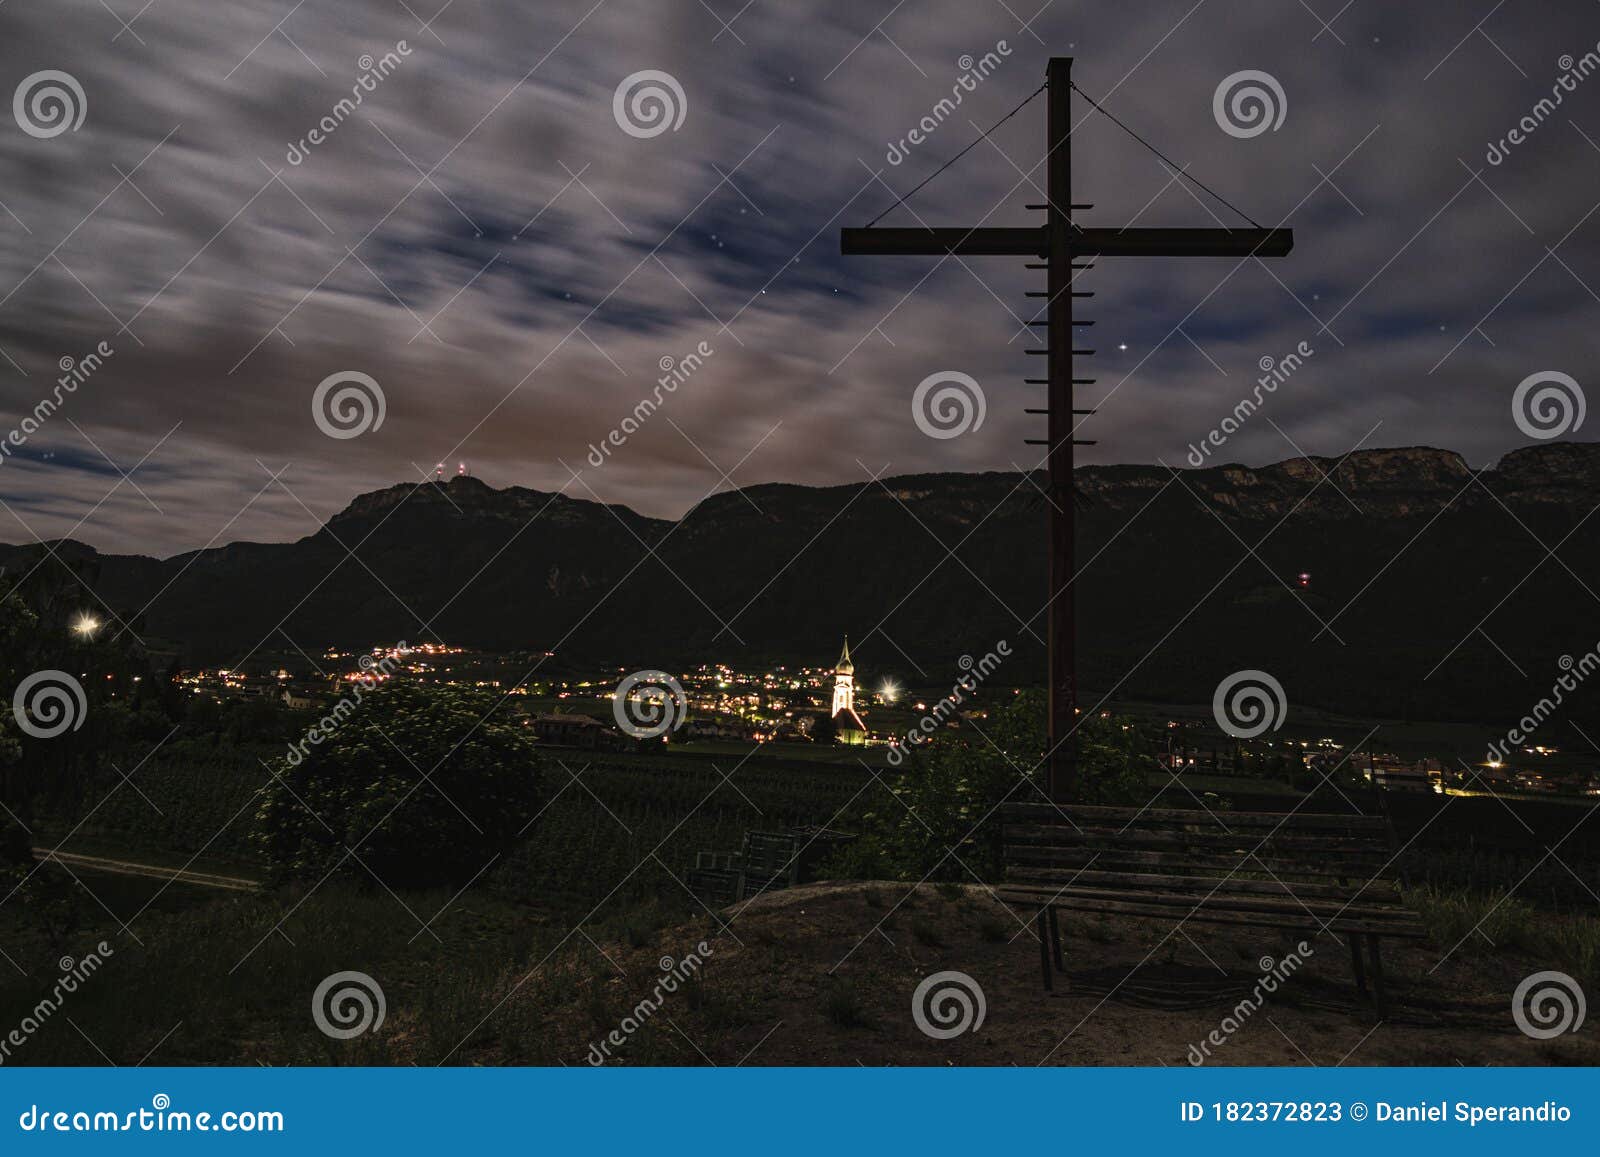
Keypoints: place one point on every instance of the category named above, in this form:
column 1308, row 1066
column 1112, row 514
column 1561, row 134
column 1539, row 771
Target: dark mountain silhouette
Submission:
column 1433, row 592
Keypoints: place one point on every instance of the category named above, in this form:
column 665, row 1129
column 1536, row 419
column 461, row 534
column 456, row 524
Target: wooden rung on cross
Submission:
column 1060, row 243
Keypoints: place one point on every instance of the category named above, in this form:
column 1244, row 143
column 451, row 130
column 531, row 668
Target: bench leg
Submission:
column 1055, row 940
column 1379, row 1004
column 1044, row 948
column 1356, row 965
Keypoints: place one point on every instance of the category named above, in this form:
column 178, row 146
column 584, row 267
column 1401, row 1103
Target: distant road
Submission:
column 152, row 871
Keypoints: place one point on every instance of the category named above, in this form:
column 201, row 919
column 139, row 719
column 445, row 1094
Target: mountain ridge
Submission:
column 1544, row 464
column 1432, row 587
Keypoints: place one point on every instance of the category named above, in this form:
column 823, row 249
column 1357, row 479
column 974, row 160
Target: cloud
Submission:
column 481, row 237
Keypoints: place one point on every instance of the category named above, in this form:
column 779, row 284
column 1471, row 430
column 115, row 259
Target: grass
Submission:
column 843, row 1006
column 229, row 978
column 1483, row 922
column 1486, row 919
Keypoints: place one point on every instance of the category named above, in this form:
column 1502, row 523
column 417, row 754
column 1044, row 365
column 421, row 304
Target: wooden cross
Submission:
column 1058, row 242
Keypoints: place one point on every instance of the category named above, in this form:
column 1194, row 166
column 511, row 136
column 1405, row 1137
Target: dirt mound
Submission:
column 827, row 974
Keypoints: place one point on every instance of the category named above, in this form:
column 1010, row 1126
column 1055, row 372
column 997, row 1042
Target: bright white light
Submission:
column 85, row 625
column 890, row 691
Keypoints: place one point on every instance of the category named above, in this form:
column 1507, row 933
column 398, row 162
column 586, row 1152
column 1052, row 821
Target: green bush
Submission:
column 943, row 822
column 423, row 784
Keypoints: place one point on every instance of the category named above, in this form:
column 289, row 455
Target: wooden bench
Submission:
column 768, row 861
column 1312, row 873
column 715, row 878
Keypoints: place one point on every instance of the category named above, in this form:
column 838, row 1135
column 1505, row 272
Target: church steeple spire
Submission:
column 844, row 682
column 846, row 723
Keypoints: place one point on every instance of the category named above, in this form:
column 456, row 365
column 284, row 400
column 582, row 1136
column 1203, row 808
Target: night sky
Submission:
column 485, row 241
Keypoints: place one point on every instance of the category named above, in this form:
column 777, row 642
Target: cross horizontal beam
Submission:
column 938, row 242
column 1139, row 242
column 1128, row 242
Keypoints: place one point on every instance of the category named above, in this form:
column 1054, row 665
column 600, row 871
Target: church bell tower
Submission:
column 844, row 682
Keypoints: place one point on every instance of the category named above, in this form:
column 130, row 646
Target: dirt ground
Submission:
column 825, row 975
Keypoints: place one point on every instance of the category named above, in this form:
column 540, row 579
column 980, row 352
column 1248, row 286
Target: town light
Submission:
column 85, row 625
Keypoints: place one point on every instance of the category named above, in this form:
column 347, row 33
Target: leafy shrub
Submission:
column 422, row 783
column 944, row 823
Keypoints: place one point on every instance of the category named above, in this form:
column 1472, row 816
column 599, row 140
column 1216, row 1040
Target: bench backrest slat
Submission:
column 1249, row 853
column 1222, row 821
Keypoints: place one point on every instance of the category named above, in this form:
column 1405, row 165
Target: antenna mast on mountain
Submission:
column 1062, row 244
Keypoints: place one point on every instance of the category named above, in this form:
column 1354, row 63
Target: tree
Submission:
column 18, row 625
column 422, row 784
column 59, row 676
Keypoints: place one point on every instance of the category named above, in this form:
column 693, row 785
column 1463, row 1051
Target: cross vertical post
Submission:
column 1058, row 242
column 1061, row 615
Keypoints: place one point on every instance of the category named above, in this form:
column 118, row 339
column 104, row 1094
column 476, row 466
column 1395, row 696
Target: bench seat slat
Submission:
column 1343, row 924
column 1223, row 901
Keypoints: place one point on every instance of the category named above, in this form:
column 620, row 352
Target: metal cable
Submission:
column 981, row 136
column 1178, row 169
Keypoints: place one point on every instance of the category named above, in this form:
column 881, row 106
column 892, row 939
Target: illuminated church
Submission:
column 847, row 725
